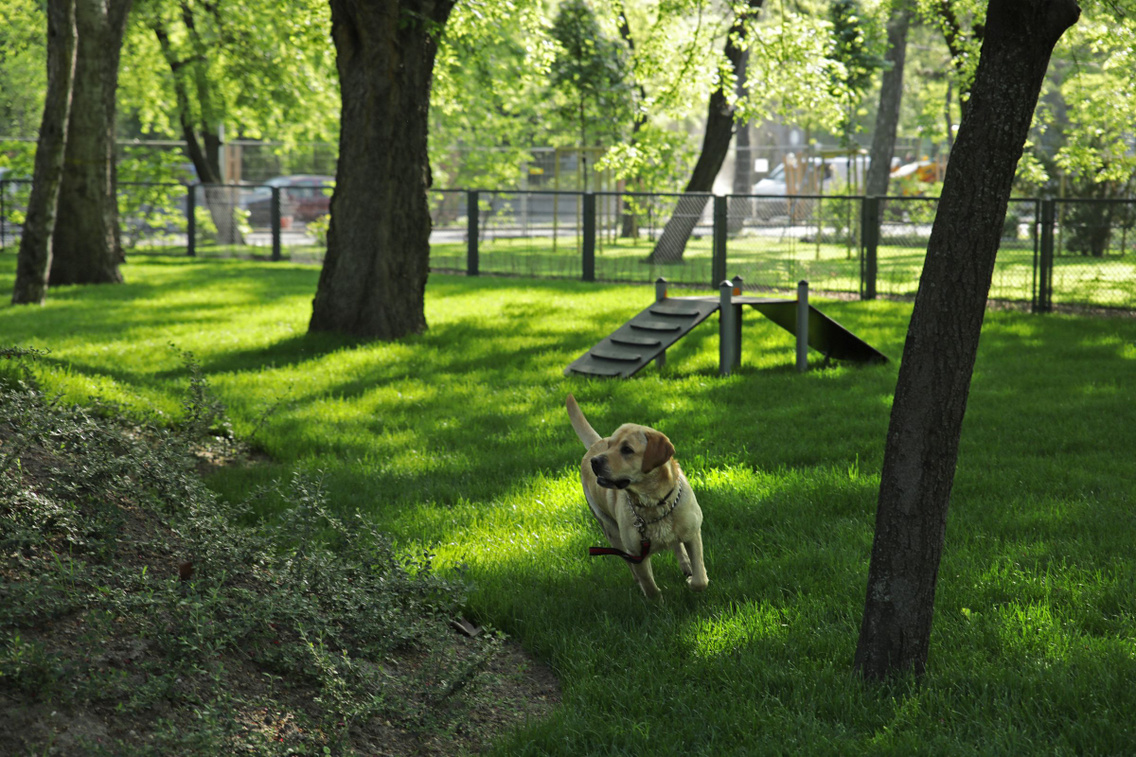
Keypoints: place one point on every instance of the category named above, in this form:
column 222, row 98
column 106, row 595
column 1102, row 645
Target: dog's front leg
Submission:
column 645, row 577
column 683, row 559
column 697, row 579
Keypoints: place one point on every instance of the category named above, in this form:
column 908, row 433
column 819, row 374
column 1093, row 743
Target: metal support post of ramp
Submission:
column 802, row 326
column 727, row 328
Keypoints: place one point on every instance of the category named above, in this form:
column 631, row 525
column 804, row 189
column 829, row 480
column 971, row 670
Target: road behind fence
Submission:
column 1053, row 254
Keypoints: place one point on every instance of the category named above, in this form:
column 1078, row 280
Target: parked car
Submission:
column 814, row 176
column 303, row 197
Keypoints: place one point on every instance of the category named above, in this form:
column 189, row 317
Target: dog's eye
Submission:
column 626, row 449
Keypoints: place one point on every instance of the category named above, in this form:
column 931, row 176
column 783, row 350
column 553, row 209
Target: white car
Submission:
column 817, row 176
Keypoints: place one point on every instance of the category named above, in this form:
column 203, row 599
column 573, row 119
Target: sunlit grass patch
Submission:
column 456, row 442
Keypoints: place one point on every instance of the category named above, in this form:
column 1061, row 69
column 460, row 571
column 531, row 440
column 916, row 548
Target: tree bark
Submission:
column 220, row 201
column 33, row 263
column 86, row 246
column 715, row 145
column 629, row 227
column 373, row 280
column 942, row 340
column 891, row 97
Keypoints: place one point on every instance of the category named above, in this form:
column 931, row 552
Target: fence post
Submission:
column 274, row 218
column 473, row 233
column 589, row 246
column 1043, row 266
column 191, row 220
column 802, row 326
column 718, row 261
column 869, row 245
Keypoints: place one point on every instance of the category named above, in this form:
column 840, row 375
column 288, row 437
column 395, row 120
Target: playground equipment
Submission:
column 647, row 336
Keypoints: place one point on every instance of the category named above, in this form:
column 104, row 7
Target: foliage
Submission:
column 251, row 69
column 144, row 617
column 589, row 76
column 318, row 229
column 485, row 107
column 856, row 54
column 23, row 75
column 151, row 193
column 789, row 56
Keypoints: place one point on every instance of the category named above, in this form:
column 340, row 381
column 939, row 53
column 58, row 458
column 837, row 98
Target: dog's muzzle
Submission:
column 599, row 467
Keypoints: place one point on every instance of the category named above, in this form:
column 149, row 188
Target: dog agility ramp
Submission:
column 647, row 336
column 826, row 336
column 644, row 337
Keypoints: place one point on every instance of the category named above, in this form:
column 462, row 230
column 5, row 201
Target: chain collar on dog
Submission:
column 640, row 524
column 641, row 527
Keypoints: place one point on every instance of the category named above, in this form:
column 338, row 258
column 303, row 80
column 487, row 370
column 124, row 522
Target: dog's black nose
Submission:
column 599, row 465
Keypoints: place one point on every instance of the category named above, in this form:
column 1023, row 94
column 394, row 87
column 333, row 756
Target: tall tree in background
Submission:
column 715, row 143
column 853, row 50
column 197, row 70
column 85, row 244
column 961, row 24
column 373, row 280
column 921, row 449
column 33, row 263
column 589, row 75
column 891, row 97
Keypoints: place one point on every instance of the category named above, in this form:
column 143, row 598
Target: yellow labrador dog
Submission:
column 642, row 500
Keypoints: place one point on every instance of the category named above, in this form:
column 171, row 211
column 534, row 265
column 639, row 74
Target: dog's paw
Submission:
column 697, row 585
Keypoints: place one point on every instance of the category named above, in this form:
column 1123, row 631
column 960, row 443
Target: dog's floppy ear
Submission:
column 659, row 450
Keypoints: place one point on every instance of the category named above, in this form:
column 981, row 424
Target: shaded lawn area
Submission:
column 456, row 441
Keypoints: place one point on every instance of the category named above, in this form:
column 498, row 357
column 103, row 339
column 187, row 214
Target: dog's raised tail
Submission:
column 583, row 429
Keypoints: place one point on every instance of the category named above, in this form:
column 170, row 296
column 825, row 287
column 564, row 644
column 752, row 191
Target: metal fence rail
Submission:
column 1053, row 253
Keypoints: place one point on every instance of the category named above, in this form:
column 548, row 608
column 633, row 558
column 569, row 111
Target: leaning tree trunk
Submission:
column 715, row 145
column 373, row 281
column 33, row 263
column 942, row 340
column 86, row 246
column 891, row 96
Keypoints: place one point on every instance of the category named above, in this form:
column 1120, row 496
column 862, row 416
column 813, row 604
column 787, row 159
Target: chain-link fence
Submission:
column 1053, row 253
column 1081, row 257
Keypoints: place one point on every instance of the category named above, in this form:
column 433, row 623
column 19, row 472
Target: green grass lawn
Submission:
column 456, row 441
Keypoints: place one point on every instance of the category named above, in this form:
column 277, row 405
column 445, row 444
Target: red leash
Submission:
column 644, row 552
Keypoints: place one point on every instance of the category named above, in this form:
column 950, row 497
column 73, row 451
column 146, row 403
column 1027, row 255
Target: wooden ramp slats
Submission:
column 634, row 341
column 644, row 337
column 607, row 353
column 656, row 326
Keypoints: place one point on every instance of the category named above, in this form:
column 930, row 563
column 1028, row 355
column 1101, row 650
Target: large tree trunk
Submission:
column 715, row 145
column 373, row 281
column 942, row 340
column 33, row 263
column 86, row 247
column 891, row 96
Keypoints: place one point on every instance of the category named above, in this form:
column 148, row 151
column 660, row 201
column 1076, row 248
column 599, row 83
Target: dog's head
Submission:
column 630, row 456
